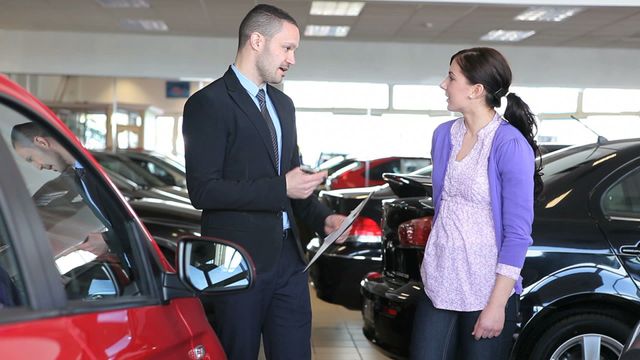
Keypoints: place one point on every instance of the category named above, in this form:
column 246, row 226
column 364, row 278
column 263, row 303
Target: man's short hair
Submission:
column 265, row 19
column 24, row 133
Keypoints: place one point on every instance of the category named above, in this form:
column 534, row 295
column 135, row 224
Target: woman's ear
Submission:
column 478, row 91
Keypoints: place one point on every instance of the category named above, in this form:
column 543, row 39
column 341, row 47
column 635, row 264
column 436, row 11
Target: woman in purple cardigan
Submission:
column 484, row 180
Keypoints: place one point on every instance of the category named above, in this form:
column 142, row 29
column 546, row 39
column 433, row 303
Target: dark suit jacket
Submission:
column 231, row 169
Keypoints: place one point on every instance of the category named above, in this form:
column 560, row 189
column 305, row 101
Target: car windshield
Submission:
column 131, row 172
column 425, row 171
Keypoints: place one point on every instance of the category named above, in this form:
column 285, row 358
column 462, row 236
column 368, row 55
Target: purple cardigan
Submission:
column 511, row 168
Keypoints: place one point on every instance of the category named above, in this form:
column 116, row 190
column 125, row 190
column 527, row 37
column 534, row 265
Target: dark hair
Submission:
column 487, row 66
column 265, row 19
column 24, row 133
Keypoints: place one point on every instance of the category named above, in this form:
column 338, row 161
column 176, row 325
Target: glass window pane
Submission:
column 615, row 127
column 419, row 97
column 548, row 100
column 623, row 198
column 324, row 94
column 86, row 226
column 365, row 137
column 12, row 290
column 610, row 100
column 564, row 131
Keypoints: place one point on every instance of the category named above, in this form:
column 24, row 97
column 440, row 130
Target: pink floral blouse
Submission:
column 461, row 257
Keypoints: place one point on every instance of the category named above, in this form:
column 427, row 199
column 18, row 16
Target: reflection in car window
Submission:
column 623, row 198
column 86, row 227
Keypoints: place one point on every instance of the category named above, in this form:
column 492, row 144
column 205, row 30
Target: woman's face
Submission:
column 457, row 88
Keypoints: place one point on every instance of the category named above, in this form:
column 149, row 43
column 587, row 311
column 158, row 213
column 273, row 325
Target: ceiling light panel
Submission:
column 336, row 8
column 144, row 24
column 547, row 13
column 124, row 3
column 506, row 35
column 326, row 31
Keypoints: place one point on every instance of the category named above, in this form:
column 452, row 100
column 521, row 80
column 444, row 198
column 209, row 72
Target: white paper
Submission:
column 331, row 238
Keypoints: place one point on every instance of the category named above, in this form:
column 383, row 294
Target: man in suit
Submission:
column 243, row 170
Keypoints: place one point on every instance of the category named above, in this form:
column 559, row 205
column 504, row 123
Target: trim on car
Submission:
column 622, row 218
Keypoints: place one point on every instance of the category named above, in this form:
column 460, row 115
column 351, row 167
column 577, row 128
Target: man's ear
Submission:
column 256, row 41
column 41, row 141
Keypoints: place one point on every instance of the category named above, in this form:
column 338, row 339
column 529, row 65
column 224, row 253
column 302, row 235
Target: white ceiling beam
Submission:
column 524, row 2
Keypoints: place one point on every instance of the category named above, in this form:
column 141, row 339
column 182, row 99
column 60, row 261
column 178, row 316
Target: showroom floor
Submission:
column 337, row 334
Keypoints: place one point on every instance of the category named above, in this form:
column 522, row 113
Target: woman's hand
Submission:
column 490, row 322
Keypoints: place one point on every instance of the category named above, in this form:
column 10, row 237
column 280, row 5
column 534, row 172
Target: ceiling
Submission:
column 379, row 21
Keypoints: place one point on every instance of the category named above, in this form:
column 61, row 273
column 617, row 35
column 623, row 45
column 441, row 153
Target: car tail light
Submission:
column 363, row 225
column 374, row 275
column 365, row 229
column 390, row 311
column 414, row 233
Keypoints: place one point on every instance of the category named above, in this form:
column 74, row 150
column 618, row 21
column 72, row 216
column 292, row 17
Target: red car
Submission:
column 364, row 173
column 80, row 276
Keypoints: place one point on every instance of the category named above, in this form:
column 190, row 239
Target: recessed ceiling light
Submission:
column 506, row 35
column 547, row 13
column 336, row 8
column 144, row 24
column 326, row 30
column 124, row 3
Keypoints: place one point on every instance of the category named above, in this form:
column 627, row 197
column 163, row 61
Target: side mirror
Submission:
column 209, row 265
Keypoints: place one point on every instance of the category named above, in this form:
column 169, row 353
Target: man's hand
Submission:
column 332, row 223
column 300, row 185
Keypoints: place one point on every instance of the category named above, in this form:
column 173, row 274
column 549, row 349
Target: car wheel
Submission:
column 585, row 336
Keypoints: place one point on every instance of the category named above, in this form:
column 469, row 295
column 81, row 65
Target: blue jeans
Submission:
column 446, row 335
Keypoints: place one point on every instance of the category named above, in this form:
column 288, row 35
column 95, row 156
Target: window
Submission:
column 392, row 166
column 328, row 95
column 89, row 233
column 12, row 292
column 623, row 198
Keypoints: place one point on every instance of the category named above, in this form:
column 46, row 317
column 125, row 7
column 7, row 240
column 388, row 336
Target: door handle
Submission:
column 630, row 249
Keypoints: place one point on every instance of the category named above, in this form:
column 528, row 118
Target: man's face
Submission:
column 278, row 54
column 41, row 158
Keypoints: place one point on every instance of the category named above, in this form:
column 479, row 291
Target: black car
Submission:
column 122, row 165
column 166, row 169
column 337, row 273
column 167, row 221
column 132, row 190
column 631, row 349
column 581, row 275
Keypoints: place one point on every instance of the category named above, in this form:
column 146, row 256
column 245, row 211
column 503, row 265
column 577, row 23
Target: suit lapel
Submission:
column 249, row 108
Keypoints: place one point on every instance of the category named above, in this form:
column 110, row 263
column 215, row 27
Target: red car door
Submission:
column 80, row 277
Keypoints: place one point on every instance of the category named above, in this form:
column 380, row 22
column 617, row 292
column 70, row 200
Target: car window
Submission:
column 89, row 231
column 393, row 166
column 12, row 292
column 411, row 165
column 623, row 198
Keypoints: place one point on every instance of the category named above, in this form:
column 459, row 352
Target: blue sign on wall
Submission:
column 178, row 89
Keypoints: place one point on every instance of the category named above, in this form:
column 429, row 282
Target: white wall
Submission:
column 173, row 57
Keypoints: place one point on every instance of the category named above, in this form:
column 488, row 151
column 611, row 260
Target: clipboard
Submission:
column 331, row 238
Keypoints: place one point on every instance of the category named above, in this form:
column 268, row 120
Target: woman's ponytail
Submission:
column 520, row 116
